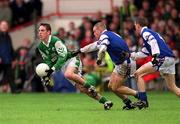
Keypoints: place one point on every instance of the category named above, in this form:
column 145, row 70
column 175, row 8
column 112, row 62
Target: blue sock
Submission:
column 142, row 96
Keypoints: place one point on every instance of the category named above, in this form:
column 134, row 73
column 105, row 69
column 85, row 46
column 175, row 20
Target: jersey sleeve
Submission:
column 89, row 48
column 140, row 54
column 152, row 42
column 103, row 40
column 62, row 55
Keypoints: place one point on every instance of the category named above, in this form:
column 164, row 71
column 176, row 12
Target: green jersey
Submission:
column 55, row 53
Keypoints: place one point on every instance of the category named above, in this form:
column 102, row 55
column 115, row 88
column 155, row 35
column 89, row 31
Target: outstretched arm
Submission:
column 89, row 48
column 102, row 45
column 101, row 53
column 141, row 54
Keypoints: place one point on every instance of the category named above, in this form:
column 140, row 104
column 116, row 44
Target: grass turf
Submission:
column 57, row 108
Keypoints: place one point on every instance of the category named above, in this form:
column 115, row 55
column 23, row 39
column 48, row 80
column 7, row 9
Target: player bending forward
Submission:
column 117, row 49
column 56, row 55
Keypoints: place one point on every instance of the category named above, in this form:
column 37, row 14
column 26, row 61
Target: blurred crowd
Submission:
column 163, row 17
column 17, row 12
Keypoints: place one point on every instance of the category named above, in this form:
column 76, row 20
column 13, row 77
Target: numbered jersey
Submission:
column 54, row 53
column 155, row 44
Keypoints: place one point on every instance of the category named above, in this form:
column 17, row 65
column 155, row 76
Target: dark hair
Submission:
column 46, row 25
column 142, row 21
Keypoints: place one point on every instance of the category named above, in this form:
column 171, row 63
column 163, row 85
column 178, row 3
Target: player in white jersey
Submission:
column 162, row 60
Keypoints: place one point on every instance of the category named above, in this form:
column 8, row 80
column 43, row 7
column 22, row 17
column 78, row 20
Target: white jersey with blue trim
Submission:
column 115, row 45
column 155, row 44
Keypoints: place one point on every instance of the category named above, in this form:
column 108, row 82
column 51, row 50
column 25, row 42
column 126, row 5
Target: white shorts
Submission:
column 73, row 62
column 168, row 66
column 122, row 68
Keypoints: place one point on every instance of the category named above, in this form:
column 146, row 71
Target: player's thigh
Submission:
column 145, row 69
column 73, row 66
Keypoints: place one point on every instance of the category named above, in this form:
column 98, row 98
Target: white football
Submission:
column 41, row 69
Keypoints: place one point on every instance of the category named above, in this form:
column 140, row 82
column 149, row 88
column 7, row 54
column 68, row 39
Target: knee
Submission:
column 109, row 86
column 137, row 75
column 176, row 91
column 68, row 75
column 112, row 88
column 178, row 94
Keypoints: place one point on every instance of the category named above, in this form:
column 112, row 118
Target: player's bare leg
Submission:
column 116, row 86
column 143, row 70
column 170, row 80
column 107, row 104
column 72, row 74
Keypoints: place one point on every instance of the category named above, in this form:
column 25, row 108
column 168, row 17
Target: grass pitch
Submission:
column 57, row 108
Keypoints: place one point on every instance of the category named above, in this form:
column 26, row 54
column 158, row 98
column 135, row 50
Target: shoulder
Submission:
column 59, row 44
column 146, row 34
column 54, row 38
column 103, row 37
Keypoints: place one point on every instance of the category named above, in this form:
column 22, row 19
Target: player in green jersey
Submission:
column 56, row 55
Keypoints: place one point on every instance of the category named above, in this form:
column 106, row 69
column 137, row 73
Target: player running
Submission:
column 119, row 53
column 56, row 55
column 163, row 60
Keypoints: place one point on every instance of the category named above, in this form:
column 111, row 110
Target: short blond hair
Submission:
column 100, row 25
